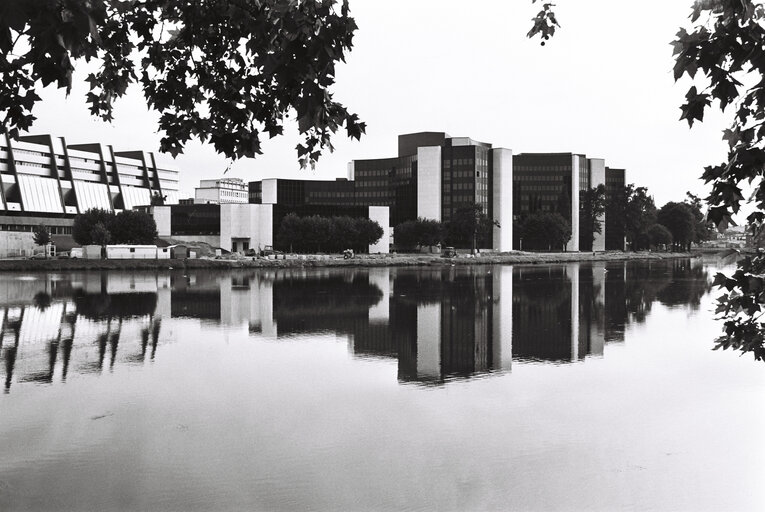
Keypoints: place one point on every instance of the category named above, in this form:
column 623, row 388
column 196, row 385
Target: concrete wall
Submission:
column 17, row 243
column 502, row 170
column 206, row 195
column 381, row 215
column 598, row 177
column 250, row 221
column 429, row 182
column 573, row 244
column 268, row 191
column 161, row 216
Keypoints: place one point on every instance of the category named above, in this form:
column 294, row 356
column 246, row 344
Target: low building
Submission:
column 241, row 227
column 230, row 226
column 221, row 191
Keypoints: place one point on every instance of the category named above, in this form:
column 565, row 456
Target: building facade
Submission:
column 239, row 227
column 45, row 180
column 432, row 177
column 557, row 183
column 615, row 183
column 224, row 190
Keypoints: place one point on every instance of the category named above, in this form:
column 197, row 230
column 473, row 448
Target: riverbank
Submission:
column 333, row 260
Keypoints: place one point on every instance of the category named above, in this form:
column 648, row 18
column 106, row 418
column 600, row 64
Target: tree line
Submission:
column 469, row 227
column 102, row 227
column 326, row 234
column 631, row 210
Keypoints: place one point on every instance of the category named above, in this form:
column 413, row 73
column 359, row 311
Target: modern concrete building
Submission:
column 221, row 191
column 230, row 226
column 432, row 176
column 45, row 180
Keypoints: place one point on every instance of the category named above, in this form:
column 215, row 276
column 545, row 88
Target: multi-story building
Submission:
column 221, row 191
column 615, row 182
column 432, row 176
column 45, row 180
column 556, row 182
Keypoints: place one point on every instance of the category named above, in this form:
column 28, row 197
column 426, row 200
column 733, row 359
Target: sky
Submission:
column 603, row 86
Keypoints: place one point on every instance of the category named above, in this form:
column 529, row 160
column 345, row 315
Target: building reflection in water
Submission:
column 54, row 325
column 439, row 323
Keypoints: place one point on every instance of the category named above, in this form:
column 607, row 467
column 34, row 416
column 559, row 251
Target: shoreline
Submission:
column 333, row 260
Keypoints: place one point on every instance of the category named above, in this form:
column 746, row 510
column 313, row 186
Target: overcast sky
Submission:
column 603, row 86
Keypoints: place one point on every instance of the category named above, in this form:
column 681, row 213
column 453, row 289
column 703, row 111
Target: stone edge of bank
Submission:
column 332, row 261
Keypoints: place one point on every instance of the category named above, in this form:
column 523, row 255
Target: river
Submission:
column 539, row 387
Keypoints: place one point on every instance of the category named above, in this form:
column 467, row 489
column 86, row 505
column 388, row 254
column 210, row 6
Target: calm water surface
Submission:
column 574, row 387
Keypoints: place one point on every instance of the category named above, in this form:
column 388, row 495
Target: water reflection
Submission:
column 438, row 323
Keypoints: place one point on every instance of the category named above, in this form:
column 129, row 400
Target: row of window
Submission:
column 371, row 183
column 543, row 197
column 459, row 186
column 53, row 230
column 539, row 188
column 540, row 177
column 320, row 194
column 374, row 172
column 458, row 161
column 537, row 168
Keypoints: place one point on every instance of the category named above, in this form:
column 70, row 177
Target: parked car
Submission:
column 448, row 252
column 75, row 253
column 268, row 250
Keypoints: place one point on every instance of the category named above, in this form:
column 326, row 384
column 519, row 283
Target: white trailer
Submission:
column 131, row 252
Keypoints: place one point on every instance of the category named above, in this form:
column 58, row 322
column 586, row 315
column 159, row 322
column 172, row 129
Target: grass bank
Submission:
column 362, row 260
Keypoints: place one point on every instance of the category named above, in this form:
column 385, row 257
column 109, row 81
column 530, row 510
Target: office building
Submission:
column 45, row 180
column 221, row 191
column 556, row 183
column 432, row 176
column 615, row 235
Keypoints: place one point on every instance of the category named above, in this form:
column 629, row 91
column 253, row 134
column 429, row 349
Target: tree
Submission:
column 405, row 235
column 705, row 230
column 469, row 227
column 679, row 220
column 616, row 207
column 659, row 235
column 639, row 215
column 84, row 224
column 157, row 199
column 369, row 232
column 290, row 235
column 224, row 72
column 592, row 208
column 133, row 227
column 41, row 237
column 99, row 235
column 545, row 231
column 425, row 232
column 316, row 233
